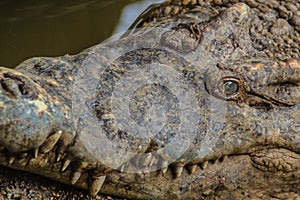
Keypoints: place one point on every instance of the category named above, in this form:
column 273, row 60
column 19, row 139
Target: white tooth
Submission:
column 192, row 168
column 23, row 162
column 64, row 142
column 11, row 160
column 153, row 161
column 164, row 166
column 178, row 171
column 36, row 152
column 60, row 154
column 147, row 159
column 204, row 165
column 96, row 185
column 75, row 177
column 23, row 155
column 225, row 158
column 140, row 174
column 50, row 142
column 65, row 165
column 179, row 168
column 122, row 168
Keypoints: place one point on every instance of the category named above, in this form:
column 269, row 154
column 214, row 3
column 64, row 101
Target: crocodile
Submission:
column 226, row 75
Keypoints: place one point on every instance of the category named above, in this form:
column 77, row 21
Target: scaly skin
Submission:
column 246, row 89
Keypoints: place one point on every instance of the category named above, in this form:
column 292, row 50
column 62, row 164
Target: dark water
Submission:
column 30, row 28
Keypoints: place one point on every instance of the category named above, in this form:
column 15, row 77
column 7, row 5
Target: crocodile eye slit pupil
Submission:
column 230, row 87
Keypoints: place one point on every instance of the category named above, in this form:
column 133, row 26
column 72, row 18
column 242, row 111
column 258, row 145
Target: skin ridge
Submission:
column 275, row 49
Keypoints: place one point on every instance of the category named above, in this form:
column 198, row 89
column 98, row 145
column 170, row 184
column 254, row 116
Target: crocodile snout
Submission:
column 24, row 117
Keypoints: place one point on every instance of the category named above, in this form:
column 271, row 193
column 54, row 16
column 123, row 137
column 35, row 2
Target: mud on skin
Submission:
column 245, row 62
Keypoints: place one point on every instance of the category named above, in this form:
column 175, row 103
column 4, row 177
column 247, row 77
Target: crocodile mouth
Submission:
column 49, row 160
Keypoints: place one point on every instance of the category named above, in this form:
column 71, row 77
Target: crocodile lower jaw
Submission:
column 226, row 172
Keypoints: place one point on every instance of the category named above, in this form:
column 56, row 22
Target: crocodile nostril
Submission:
column 10, row 87
column 23, row 89
column 16, row 86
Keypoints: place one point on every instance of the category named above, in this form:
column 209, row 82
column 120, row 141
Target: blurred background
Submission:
column 31, row 28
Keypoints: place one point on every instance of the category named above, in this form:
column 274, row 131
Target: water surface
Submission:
column 31, row 28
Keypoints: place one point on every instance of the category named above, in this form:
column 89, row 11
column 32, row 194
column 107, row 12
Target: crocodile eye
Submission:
column 230, row 87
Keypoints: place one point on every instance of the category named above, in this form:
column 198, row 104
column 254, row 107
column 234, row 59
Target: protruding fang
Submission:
column 204, row 165
column 75, row 177
column 11, row 160
column 60, row 154
column 96, row 185
column 192, row 168
column 147, row 159
column 36, row 152
column 154, row 161
column 23, row 162
column 140, row 174
column 50, row 142
column 66, row 164
column 23, row 155
column 63, row 143
column 122, row 168
column 224, row 158
column 164, row 166
column 179, row 168
column 178, row 171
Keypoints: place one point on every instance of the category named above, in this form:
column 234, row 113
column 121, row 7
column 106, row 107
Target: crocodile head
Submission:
column 239, row 109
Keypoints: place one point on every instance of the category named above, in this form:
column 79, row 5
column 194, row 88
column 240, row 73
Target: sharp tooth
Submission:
column 50, row 142
column 147, row 159
column 164, row 166
column 23, row 162
column 23, row 155
column 96, row 185
column 192, row 168
column 178, row 171
column 75, row 177
column 65, row 165
column 153, row 161
column 124, row 167
column 11, row 160
column 179, row 168
column 140, row 174
column 225, row 158
column 65, row 140
column 60, row 153
column 204, row 165
column 36, row 152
